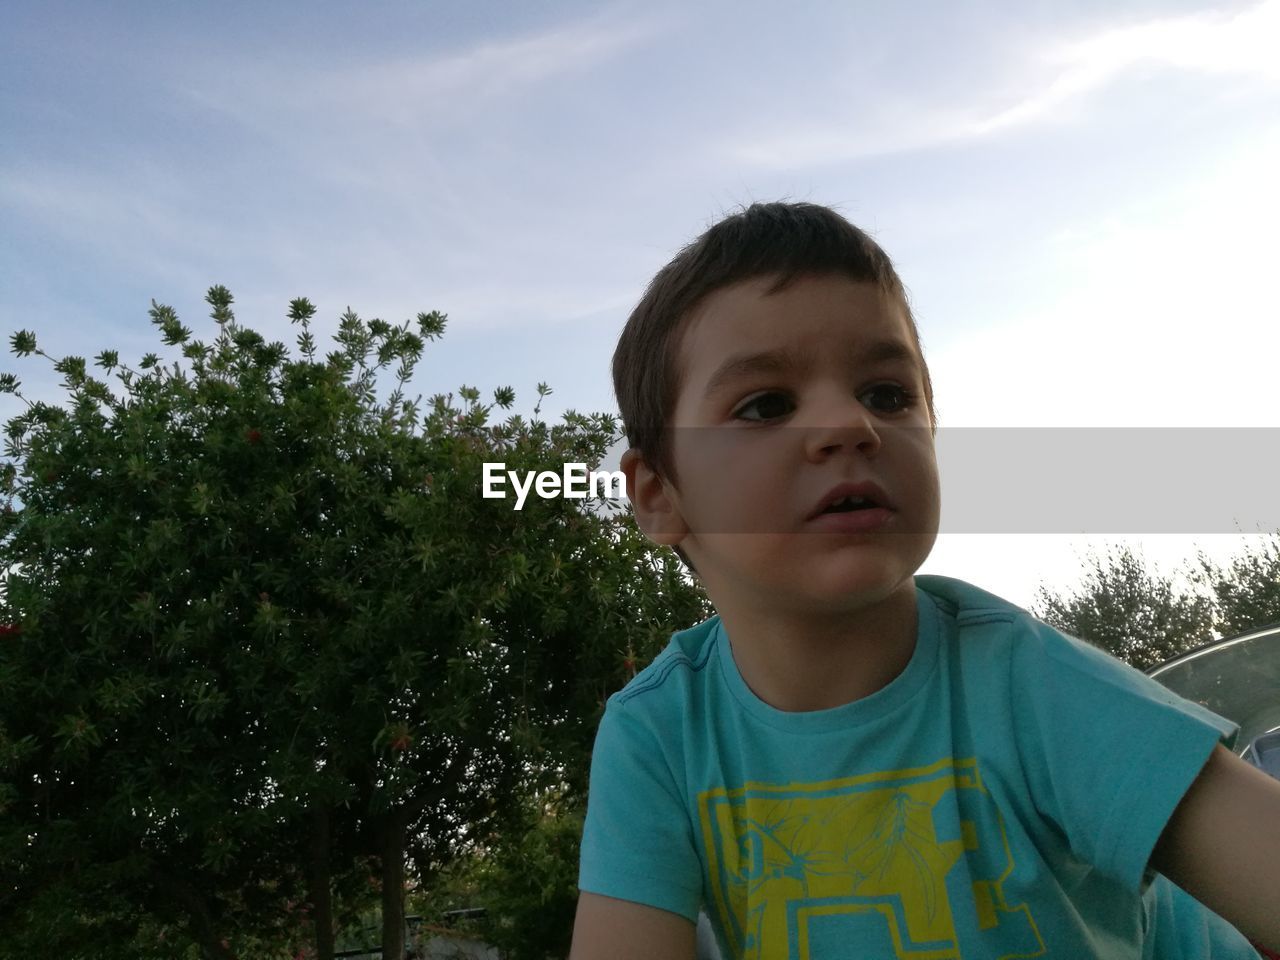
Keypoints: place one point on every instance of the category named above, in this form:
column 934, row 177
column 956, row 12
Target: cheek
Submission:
column 930, row 482
column 912, row 469
column 927, row 492
column 724, row 456
column 731, row 487
column 920, row 459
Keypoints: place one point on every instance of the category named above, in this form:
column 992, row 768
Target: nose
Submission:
column 841, row 424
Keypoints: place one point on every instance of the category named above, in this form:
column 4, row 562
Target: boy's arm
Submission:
column 1222, row 845
column 609, row 929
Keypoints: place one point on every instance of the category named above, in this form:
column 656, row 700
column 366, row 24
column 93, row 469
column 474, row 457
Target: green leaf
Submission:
column 72, row 368
column 219, row 297
column 301, row 310
column 23, row 343
column 432, row 324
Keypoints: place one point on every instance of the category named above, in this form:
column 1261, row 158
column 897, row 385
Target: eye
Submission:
column 769, row 405
column 895, row 397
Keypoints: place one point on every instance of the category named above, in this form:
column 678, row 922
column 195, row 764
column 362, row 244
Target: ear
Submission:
column 656, row 507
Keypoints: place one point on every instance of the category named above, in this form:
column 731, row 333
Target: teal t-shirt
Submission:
column 1000, row 798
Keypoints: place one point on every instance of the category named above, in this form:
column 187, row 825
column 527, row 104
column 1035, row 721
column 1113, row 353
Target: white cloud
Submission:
column 406, row 90
column 1243, row 44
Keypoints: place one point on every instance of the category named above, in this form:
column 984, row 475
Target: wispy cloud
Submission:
column 1240, row 44
column 1245, row 44
column 135, row 223
column 407, row 90
column 385, row 185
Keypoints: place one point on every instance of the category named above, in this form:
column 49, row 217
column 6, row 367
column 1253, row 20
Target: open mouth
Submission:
column 853, row 498
column 850, row 504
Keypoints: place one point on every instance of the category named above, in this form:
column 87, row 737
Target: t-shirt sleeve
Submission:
column 1108, row 752
column 638, row 841
column 1179, row 927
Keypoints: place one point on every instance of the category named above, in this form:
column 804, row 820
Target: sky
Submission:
column 1080, row 197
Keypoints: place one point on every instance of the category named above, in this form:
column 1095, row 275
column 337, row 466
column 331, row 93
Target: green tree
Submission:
column 525, row 881
column 1128, row 610
column 1247, row 590
column 270, row 653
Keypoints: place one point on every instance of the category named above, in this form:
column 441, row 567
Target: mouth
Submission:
column 851, row 498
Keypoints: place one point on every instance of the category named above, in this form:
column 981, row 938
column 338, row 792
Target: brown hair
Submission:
column 789, row 239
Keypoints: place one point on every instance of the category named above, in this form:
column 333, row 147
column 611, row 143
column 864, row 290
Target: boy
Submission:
column 850, row 761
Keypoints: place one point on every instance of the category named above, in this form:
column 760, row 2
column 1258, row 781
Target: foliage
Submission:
column 268, row 645
column 526, row 882
column 1144, row 618
column 1248, row 590
column 1129, row 611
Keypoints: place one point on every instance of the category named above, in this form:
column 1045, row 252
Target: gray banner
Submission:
column 1118, row 480
column 1063, row 480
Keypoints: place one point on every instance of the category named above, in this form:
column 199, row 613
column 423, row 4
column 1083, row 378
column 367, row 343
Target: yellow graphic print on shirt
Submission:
column 807, row 871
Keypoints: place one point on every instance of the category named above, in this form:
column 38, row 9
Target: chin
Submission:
column 855, row 590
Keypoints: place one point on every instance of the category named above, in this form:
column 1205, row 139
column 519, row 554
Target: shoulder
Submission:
column 966, row 604
column 978, row 622
column 638, row 843
column 675, row 673
column 654, row 718
column 1041, row 663
column 983, row 622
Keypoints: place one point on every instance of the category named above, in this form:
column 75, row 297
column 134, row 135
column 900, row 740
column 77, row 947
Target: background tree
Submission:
column 1247, row 590
column 1128, row 610
column 525, row 882
column 268, row 646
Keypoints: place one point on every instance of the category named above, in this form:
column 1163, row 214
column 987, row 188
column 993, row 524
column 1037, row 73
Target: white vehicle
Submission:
column 1237, row 678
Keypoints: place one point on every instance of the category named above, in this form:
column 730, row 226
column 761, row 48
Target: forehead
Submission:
column 814, row 315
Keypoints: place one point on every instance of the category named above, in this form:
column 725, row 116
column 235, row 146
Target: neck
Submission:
column 804, row 662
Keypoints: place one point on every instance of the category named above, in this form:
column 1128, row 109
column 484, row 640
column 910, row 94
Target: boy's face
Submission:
column 783, row 398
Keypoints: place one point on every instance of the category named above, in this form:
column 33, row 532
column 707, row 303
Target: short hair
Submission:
column 788, row 239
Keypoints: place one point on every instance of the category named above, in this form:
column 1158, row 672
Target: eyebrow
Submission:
column 774, row 362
